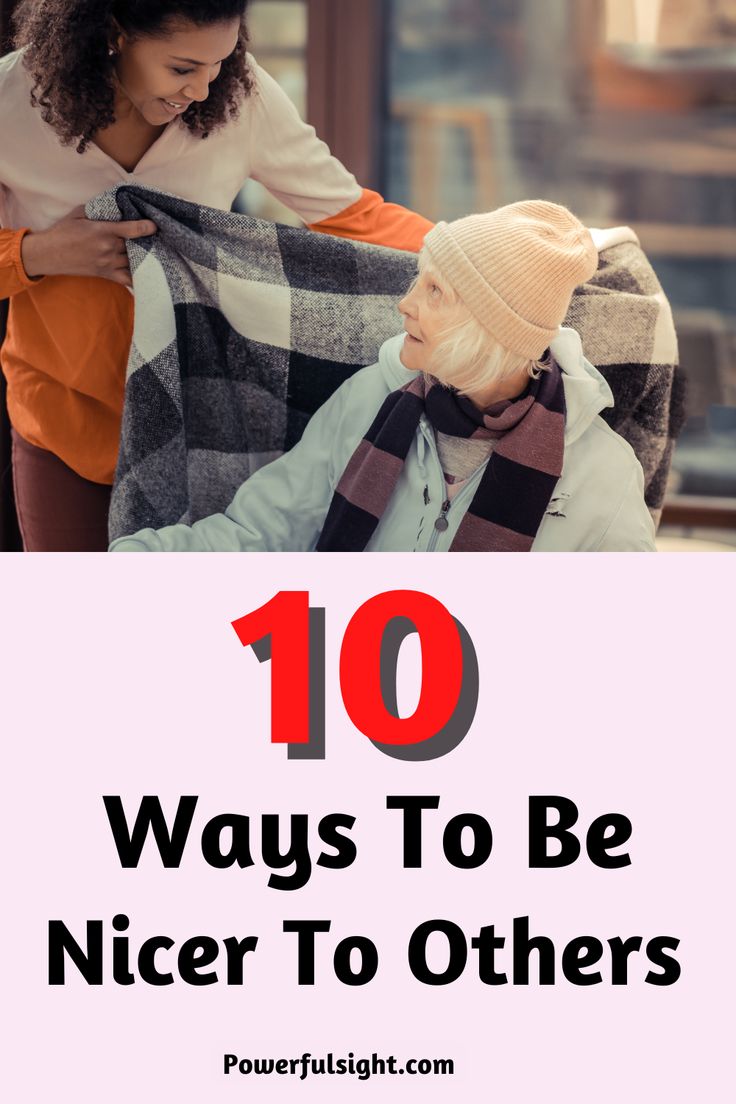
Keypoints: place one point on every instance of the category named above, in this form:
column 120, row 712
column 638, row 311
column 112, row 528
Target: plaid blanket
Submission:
column 244, row 328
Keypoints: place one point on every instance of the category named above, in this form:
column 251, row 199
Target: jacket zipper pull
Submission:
column 441, row 524
column 426, row 495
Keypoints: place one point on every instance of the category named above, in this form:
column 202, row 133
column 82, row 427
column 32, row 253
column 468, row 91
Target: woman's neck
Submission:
column 130, row 137
column 126, row 112
column 500, row 390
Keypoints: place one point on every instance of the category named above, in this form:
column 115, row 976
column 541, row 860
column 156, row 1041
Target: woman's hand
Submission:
column 77, row 246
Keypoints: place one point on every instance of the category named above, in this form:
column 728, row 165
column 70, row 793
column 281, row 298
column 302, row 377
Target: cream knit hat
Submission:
column 516, row 269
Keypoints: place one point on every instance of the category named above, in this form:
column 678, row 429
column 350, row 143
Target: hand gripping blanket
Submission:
column 244, row 328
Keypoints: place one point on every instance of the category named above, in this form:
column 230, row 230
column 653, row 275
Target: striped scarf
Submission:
column 514, row 490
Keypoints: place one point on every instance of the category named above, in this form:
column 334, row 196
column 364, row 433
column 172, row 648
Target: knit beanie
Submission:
column 516, row 269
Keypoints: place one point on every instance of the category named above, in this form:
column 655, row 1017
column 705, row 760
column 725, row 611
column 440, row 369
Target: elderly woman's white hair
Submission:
column 478, row 359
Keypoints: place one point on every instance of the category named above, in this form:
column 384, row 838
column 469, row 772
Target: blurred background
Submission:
column 623, row 110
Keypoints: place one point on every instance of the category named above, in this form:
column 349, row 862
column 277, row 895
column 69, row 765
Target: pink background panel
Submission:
column 604, row 679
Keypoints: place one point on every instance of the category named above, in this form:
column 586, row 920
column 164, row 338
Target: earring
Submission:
column 112, row 51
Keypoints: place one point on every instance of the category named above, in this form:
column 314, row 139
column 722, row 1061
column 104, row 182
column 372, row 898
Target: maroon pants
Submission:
column 58, row 510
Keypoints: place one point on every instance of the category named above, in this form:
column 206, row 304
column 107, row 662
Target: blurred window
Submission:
column 278, row 31
column 623, row 110
column 278, row 34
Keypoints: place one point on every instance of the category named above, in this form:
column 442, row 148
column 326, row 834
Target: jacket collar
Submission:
column 586, row 391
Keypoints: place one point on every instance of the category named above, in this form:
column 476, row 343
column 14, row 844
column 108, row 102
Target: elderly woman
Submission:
column 478, row 429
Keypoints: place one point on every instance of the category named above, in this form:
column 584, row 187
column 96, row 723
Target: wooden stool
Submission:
column 484, row 123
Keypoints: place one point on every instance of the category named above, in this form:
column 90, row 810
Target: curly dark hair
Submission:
column 67, row 46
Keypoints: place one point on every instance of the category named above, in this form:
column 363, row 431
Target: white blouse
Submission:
column 41, row 180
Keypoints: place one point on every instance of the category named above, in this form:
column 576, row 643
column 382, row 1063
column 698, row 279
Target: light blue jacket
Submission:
column 597, row 506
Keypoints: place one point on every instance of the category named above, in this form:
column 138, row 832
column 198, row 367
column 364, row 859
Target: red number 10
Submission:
column 290, row 634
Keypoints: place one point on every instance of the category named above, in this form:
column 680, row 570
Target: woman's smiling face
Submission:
column 430, row 309
column 161, row 76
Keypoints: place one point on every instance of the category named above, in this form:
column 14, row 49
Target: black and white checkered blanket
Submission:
column 244, row 328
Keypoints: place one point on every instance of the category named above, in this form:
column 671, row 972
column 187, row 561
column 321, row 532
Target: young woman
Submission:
column 156, row 92
column 478, row 429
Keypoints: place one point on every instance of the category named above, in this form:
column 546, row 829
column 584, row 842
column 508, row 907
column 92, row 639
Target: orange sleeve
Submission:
column 13, row 277
column 373, row 220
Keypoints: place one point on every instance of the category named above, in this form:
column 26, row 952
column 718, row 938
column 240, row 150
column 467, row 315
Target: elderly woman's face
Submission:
column 429, row 311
